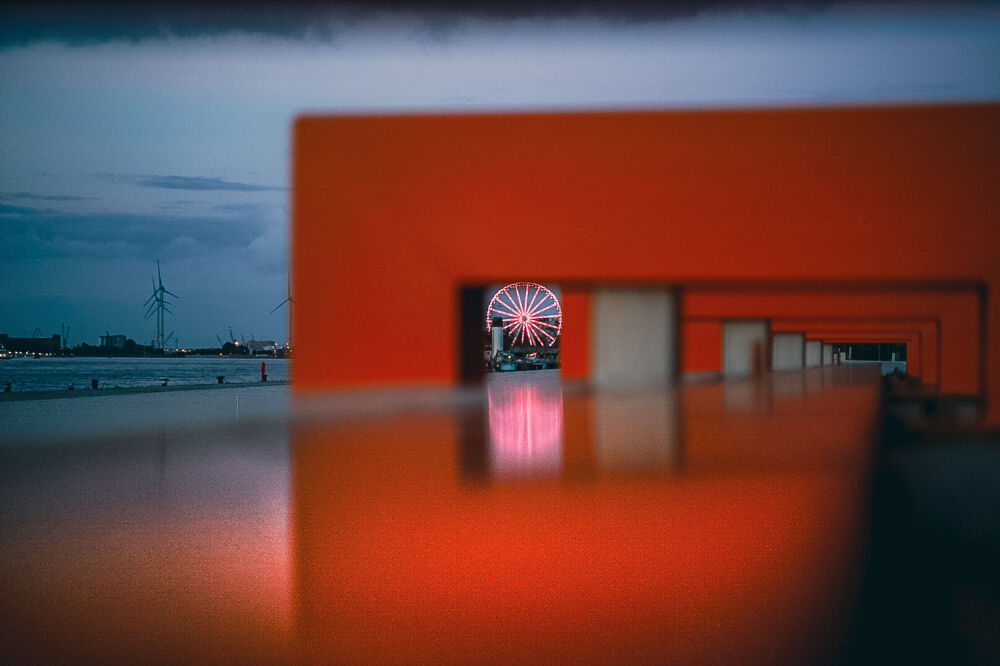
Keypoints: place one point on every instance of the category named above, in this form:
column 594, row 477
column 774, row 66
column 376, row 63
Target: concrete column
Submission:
column 827, row 353
column 788, row 351
column 814, row 353
column 633, row 337
column 744, row 341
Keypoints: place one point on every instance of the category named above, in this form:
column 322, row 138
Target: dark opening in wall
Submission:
column 522, row 327
column 871, row 351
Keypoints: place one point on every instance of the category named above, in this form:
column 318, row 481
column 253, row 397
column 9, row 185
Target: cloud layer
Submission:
column 96, row 22
column 30, row 234
column 31, row 196
column 189, row 183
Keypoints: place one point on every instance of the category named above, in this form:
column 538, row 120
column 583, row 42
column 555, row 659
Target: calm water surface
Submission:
column 55, row 374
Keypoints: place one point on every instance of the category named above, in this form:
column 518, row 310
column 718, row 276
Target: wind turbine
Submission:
column 158, row 303
column 290, row 302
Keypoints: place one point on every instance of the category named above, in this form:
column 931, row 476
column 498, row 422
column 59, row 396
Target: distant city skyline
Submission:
column 123, row 145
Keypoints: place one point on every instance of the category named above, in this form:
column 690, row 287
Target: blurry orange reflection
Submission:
column 745, row 554
column 525, row 412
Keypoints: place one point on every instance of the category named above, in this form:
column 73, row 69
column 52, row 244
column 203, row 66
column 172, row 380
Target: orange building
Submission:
column 665, row 521
column 394, row 215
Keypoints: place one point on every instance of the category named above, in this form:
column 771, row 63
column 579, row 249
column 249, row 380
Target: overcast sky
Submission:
column 128, row 138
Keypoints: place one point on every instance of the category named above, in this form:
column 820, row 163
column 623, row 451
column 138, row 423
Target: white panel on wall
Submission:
column 788, row 351
column 633, row 337
column 814, row 353
column 739, row 338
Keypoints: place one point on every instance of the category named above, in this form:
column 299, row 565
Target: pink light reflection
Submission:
column 526, row 424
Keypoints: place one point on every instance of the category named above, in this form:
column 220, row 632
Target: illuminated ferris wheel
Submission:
column 528, row 311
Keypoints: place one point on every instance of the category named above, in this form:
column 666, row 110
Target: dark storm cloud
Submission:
column 80, row 23
column 90, row 23
column 7, row 210
column 34, row 233
column 188, row 183
column 31, row 196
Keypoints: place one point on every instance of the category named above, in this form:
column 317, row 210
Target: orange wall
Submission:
column 574, row 344
column 958, row 363
column 702, row 340
column 701, row 346
column 391, row 213
column 922, row 354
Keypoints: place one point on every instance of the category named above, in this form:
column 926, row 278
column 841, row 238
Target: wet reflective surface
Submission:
column 525, row 416
column 526, row 521
column 164, row 547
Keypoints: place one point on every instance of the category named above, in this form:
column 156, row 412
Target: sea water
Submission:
column 90, row 415
column 57, row 373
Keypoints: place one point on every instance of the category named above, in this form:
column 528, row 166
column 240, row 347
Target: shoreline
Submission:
column 15, row 396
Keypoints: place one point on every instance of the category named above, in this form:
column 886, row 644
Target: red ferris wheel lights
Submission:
column 532, row 303
column 527, row 311
column 510, row 303
column 537, row 330
column 509, row 314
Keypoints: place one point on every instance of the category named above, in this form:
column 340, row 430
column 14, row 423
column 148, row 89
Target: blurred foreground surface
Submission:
column 529, row 520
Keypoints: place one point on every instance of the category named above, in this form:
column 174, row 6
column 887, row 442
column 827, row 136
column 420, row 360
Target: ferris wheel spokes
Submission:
column 533, row 315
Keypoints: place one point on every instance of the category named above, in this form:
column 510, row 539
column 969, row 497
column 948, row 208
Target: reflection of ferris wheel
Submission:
column 528, row 311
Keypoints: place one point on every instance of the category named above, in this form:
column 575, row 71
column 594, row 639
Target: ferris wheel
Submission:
column 528, row 311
